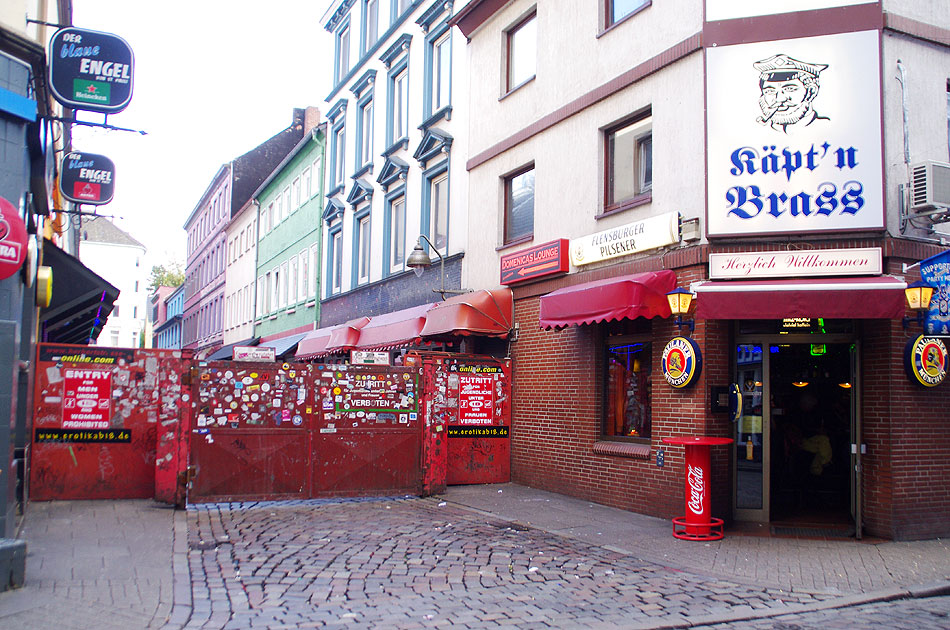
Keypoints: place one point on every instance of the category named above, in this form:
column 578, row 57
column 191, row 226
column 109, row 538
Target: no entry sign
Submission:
column 87, row 178
column 87, row 399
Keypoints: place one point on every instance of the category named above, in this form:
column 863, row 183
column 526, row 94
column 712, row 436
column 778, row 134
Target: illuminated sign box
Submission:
column 536, row 262
column 90, row 70
column 87, row 178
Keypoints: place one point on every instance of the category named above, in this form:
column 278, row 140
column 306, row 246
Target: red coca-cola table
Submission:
column 698, row 524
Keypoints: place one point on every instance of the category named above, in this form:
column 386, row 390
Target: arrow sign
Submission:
column 540, row 261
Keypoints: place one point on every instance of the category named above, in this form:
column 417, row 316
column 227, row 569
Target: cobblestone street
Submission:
column 417, row 564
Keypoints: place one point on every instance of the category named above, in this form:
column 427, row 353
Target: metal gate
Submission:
column 296, row 430
column 101, row 416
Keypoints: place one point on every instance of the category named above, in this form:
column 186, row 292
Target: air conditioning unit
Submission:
column 929, row 185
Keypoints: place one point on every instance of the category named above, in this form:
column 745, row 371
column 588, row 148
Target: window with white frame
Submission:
column 628, row 161
column 284, row 283
column 335, row 261
column 295, row 194
column 439, row 211
column 342, row 52
column 370, row 23
column 314, row 259
column 292, row 289
column 400, row 104
column 305, row 183
column 366, row 133
column 363, row 243
column 522, row 41
column 440, row 78
column 519, row 205
column 339, row 156
column 303, row 276
column 275, row 297
column 397, row 234
column 285, row 204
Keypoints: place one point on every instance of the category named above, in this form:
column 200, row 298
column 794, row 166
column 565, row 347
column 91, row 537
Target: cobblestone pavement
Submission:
column 419, row 563
column 932, row 613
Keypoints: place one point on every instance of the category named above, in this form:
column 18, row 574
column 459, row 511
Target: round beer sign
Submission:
column 682, row 362
column 13, row 239
column 925, row 361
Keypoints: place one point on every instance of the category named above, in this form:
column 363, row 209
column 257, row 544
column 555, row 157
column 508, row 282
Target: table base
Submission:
column 710, row 531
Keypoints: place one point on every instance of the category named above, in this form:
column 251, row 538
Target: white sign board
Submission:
column 794, row 136
column 626, row 239
column 799, row 263
column 363, row 357
column 254, row 353
column 732, row 9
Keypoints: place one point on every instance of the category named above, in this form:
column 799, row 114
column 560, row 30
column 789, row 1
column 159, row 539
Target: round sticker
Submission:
column 298, row 420
column 925, row 361
column 265, row 387
column 682, row 362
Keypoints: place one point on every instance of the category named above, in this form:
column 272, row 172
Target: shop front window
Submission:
column 627, row 412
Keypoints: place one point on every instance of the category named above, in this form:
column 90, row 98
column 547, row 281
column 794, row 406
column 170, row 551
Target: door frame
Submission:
column 762, row 515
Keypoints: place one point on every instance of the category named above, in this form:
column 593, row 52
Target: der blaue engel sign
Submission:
column 90, row 70
column 87, row 178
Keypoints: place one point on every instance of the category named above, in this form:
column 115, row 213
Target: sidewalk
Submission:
column 831, row 566
column 129, row 564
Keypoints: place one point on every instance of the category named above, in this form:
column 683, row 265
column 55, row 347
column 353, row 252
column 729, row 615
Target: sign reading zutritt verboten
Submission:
column 794, row 136
column 87, row 178
column 90, row 70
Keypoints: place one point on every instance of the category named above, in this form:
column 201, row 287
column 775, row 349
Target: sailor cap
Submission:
column 785, row 65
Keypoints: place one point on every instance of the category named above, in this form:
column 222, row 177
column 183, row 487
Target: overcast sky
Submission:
column 213, row 79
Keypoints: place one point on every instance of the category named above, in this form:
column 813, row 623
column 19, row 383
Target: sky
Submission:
column 212, row 80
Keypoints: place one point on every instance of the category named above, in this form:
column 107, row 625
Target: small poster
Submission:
column 87, row 399
column 476, row 399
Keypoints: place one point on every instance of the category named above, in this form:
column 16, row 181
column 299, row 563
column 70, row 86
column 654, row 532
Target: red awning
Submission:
column 393, row 330
column 482, row 312
column 874, row 297
column 343, row 337
column 314, row 344
column 623, row 297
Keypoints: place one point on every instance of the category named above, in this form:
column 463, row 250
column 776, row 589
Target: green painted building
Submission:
column 289, row 208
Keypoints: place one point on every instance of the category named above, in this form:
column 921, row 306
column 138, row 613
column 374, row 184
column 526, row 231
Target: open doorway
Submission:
column 811, row 392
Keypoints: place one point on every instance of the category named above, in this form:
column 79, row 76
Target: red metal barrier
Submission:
column 97, row 414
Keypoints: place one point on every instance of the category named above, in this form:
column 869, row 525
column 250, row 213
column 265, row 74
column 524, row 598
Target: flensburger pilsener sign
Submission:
column 626, row 239
column 794, row 136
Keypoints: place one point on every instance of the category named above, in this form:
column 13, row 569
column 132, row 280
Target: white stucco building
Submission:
column 119, row 258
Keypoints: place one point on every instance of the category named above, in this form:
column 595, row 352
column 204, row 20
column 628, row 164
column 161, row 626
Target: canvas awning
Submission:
column 226, row 352
column 81, row 301
column 610, row 299
column 873, row 297
column 314, row 344
column 344, row 337
column 393, row 330
column 284, row 346
column 482, row 312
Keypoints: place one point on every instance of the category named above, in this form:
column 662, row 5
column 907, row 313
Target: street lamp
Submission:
column 918, row 297
column 680, row 300
column 418, row 260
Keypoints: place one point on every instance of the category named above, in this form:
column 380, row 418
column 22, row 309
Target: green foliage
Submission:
column 166, row 276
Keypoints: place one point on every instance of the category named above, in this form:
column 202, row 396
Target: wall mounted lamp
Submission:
column 918, row 297
column 680, row 300
column 418, row 260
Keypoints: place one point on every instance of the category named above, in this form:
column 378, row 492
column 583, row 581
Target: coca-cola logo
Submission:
column 4, row 230
column 697, row 489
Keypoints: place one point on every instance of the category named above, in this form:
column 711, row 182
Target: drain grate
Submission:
column 814, row 532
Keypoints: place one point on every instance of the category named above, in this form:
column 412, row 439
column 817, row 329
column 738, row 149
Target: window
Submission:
column 439, row 211
column 365, row 132
column 136, row 286
column 261, row 293
column 440, row 72
column 399, row 7
column 303, row 276
column 400, row 105
column 335, row 262
column 285, row 204
column 135, row 312
column 314, row 268
column 295, row 194
column 292, row 284
column 522, row 51
column 629, row 161
column 617, row 10
column 397, row 234
column 627, row 409
column 115, row 311
column 362, row 248
column 305, row 183
column 284, row 283
column 114, row 337
column 339, row 156
column 342, row 52
column 370, row 23
column 519, row 205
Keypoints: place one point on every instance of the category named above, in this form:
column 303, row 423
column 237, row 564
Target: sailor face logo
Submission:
column 682, row 362
column 788, row 88
column 925, row 361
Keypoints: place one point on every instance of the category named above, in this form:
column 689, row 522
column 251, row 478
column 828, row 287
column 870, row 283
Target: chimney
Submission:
column 299, row 116
column 311, row 118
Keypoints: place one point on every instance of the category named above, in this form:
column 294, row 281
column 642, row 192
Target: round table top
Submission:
column 697, row 440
